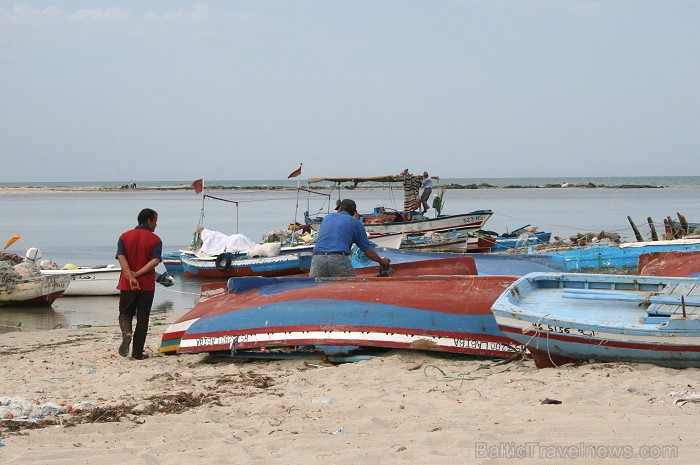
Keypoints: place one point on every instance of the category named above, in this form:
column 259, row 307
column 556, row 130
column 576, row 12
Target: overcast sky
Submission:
column 175, row 90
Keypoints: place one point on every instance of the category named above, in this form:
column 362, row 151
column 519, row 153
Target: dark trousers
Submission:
column 135, row 303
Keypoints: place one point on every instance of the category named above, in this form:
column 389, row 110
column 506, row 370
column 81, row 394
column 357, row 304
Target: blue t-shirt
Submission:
column 339, row 231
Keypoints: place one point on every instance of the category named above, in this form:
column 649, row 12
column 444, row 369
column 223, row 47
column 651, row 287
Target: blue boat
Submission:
column 345, row 315
column 172, row 261
column 568, row 317
column 228, row 264
column 516, row 239
column 617, row 256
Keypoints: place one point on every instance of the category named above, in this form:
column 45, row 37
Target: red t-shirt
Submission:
column 139, row 245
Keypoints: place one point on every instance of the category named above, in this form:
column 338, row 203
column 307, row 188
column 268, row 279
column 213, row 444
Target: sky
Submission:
column 223, row 90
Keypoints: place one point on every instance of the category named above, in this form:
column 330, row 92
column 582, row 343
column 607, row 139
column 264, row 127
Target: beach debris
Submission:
column 547, row 400
column 19, row 408
column 340, row 430
column 602, row 236
column 683, row 397
column 30, row 414
column 323, row 400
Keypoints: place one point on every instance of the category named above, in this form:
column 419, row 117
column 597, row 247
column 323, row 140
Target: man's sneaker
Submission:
column 124, row 346
column 139, row 357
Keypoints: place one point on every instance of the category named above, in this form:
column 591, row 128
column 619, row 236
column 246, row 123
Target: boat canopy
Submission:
column 357, row 180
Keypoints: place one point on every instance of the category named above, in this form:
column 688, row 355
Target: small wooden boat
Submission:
column 228, row 265
column 672, row 263
column 173, row 261
column 451, row 241
column 518, row 238
column 37, row 290
column 380, row 223
column 342, row 315
column 616, row 256
column 203, row 264
column 383, row 220
column 564, row 317
column 89, row 280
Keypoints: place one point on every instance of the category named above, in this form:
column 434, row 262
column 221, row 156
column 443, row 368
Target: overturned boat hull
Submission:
column 439, row 313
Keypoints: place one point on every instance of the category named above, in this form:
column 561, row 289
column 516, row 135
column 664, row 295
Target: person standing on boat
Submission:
column 427, row 190
column 339, row 231
column 139, row 251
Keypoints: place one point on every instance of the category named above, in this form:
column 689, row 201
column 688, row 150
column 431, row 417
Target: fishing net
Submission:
column 8, row 275
column 411, row 186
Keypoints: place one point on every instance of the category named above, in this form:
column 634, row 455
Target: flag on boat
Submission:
column 296, row 172
column 198, row 185
column 12, row 240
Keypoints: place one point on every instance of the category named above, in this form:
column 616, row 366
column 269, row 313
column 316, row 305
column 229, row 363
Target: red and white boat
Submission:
column 409, row 222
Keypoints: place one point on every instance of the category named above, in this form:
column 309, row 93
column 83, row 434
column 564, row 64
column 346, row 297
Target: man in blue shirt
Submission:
column 339, row 231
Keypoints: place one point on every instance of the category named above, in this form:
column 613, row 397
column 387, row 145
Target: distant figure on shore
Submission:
column 427, row 190
column 139, row 251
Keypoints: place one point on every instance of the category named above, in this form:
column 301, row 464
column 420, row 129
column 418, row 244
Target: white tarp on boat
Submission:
column 214, row 242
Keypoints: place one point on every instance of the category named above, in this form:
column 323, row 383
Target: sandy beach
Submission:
column 398, row 407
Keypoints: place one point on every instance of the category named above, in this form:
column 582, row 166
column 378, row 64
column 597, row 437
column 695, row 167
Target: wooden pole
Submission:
column 684, row 224
column 654, row 236
column 674, row 231
column 636, row 231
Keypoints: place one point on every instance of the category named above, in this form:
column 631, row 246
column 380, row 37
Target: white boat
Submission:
column 37, row 290
column 89, row 280
column 409, row 221
column 388, row 241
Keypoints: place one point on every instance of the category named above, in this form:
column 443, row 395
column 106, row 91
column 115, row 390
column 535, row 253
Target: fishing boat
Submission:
column 451, row 241
column 525, row 236
column 567, row 317
column 203, row 261
column 672, row 263
column 21, row 283
column 89, row 280
column 409, row 221
column 35, row 290
column 229, row 264
column 172, row 261
column 616, row 256
column 345, row 315
column 381, row 223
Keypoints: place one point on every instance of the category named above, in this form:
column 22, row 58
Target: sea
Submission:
column 82, row 227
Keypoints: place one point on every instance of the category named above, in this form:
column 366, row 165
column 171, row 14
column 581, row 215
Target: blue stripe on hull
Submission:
column 333, row 313
column 593, row 350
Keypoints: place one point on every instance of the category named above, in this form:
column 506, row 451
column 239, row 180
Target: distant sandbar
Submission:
column 180, row 187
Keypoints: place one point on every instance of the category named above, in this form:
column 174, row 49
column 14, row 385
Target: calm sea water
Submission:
column 83, row 227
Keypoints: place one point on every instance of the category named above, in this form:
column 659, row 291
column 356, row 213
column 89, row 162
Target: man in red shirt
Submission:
column 139, row 252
